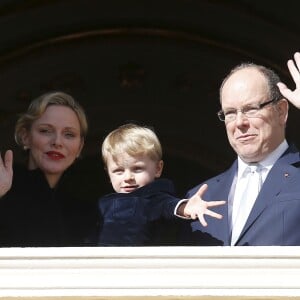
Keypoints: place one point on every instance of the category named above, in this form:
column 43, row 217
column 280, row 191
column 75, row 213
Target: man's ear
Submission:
column 283, row 110
column 159, row 168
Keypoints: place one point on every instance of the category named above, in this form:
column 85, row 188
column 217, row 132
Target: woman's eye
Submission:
column 44, row 130
column 70, row 135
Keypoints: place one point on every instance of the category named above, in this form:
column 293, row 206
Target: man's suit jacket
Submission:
column 275, row 216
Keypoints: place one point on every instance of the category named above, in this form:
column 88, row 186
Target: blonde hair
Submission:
column 39, row 105
column 131, row 139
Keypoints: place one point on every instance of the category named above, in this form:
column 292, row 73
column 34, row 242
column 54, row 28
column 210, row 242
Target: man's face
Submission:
column 253, row 138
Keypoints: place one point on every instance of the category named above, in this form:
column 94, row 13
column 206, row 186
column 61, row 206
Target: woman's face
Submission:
column 54, row 142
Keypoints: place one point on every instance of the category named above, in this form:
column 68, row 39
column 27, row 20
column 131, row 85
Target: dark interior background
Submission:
column 156, row 62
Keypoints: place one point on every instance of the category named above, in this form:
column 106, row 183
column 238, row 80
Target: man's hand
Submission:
column 294, row 68
column 197, row 208
column 6, row 172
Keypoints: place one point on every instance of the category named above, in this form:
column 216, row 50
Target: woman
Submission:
column 38, row 209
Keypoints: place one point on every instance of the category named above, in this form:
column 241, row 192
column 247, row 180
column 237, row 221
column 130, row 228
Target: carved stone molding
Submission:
column 161, row 272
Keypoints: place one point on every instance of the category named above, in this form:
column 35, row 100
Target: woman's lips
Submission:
column 55, row 155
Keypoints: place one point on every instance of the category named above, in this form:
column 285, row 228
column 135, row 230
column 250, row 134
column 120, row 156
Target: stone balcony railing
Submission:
column 146, row 272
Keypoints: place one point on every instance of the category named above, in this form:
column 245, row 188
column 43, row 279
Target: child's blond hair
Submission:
column 132, row 139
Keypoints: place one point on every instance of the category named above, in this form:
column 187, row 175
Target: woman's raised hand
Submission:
column 6, row 172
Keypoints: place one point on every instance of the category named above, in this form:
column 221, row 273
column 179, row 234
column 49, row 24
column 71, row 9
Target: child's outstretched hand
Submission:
column 197, row 208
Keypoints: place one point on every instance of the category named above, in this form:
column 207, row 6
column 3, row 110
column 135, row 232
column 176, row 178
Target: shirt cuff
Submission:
column 176, row 207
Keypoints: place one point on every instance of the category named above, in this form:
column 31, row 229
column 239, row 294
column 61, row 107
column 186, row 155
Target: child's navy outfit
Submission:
column 129, row 219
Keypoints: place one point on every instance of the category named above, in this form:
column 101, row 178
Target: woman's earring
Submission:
column 25, row 147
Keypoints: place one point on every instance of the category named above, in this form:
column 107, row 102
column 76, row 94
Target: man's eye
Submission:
column 250, row 109
column 230, row 112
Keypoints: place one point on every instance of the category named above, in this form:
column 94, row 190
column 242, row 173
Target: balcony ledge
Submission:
column 160, row 272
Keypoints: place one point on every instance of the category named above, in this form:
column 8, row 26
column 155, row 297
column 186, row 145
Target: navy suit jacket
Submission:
column 275, row 216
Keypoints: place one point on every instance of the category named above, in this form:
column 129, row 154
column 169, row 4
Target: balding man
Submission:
column 262, row 187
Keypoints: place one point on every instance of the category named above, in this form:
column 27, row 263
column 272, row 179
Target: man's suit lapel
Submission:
column 278, row 176
column 221, row 192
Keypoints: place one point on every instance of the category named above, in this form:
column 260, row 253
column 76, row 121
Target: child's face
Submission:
column 130, row 173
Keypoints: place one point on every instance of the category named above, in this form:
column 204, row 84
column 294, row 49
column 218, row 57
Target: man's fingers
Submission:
column 285, row 91
column 282, row 86
column 294, row 71
column 297, row 59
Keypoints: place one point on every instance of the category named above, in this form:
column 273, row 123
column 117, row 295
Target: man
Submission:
column 255, row 115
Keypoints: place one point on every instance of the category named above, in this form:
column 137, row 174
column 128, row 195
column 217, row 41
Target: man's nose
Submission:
column 241, row 118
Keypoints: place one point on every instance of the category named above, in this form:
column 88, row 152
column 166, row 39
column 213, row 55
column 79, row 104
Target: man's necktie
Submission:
column 246, row 193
